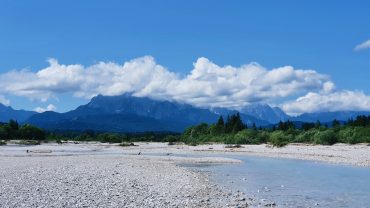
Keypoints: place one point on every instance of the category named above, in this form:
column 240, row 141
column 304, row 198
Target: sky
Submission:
column 303, row 56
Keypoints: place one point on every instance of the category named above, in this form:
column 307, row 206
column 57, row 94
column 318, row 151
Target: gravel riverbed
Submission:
column 145, row 175
column 107, row 181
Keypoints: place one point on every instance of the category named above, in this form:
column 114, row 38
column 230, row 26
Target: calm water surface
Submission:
column 294, row 183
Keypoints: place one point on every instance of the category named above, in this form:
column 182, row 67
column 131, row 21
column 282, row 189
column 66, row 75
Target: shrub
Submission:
column 246, row 136
column 361, row 135
column 111, row 138
column 279, row 138
column 125, row 144
column 31, row 132
column 305, row 136
column 346, row 135
column 326, row 137
column 171, row 138
column 262, row 137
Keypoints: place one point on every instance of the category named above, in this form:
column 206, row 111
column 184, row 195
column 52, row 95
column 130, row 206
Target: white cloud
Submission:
column 211, row 85
column 50, row 107
column 362, row 46
column 207, row 85
column 336, row 101
column 4, row 101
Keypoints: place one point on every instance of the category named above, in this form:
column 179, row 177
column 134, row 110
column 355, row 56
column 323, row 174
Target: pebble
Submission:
column 107, row 181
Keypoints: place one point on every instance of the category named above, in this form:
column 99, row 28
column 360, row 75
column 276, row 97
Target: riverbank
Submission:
column 78, row 176
column 145, row 175
column 357, row 155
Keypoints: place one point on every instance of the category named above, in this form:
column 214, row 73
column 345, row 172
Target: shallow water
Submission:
column 294, row 183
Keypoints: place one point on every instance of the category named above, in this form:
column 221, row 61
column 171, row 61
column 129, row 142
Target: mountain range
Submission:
column 127, row 113
column 7, row 113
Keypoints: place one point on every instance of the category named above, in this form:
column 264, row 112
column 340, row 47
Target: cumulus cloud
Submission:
column 207, row 85
column 362, row 46
column 4, row 101
column 50, row 107
column 336, row 101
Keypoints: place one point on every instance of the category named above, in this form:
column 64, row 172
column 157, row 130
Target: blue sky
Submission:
column 317, row 35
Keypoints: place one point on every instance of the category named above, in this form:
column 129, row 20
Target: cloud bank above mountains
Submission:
column 207, row 85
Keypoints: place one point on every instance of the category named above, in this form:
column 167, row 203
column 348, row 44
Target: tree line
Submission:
column 234, row 131
column 13, row 131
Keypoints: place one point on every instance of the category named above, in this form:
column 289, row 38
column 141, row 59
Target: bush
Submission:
column 346, row 135
column 125, row 144
column 171, row 139
column 279, row 138
column 3, row 133
column 31, row 133
column 262, row 137
column 246, row 136
column 2, row 143
column 326, row 137
column 305, row 136
column 111, row 138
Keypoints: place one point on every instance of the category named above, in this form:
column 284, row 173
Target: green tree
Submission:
column 12, row 130
column 335, row 123
column 308, row 126
column 31, row 132
column 234, row 124
column 3, row 133
column 220, row 126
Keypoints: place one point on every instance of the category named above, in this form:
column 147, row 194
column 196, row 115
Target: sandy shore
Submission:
column 75, row 179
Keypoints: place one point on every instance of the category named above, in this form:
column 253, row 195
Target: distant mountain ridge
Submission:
column 265, row 112
column 329, row 116
column 127, row 113
column 7, row 113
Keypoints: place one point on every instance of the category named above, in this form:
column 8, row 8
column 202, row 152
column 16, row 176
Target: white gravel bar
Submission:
column 147, row 175
column 107, row 181
column 357, row 155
